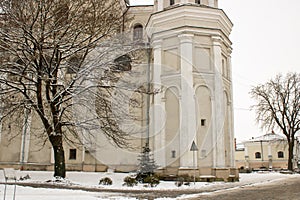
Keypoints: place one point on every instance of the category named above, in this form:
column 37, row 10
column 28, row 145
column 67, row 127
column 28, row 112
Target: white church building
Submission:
column 190, row 66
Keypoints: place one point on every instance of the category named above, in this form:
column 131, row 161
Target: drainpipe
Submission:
column 148, row 94
column 262, row 150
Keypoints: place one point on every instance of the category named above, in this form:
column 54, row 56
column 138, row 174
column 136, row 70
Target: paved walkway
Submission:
column 287, row 189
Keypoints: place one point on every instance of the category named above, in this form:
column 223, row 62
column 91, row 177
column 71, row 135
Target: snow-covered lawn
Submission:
column 91, row 180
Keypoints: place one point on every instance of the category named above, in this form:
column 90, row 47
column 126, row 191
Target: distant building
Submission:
column 269, row 151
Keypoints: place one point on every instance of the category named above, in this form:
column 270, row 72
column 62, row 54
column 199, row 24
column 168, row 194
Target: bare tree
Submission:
column 53, row 52
column 278, row 106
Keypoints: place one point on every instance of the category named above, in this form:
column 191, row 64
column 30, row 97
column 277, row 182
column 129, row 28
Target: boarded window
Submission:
column 171, row 60
column 202, row 59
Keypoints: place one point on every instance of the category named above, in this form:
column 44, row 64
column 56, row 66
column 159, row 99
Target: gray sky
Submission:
column 266, row 41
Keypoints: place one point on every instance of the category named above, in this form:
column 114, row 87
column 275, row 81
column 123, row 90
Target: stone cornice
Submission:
column 189, row 15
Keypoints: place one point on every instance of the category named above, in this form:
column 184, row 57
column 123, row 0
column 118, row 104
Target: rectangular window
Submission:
column 203, row 153
column 257, row 155
column 172, row 2
column 72, row 154
column 173, row 154
column 197, row 1
column 280, row 154
column 203, row 122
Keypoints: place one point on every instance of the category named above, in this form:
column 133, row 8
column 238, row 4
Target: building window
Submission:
column 197, row 1
column 203, row 122
column 138, row 32
column 73, row 65
column 257, row 155
column 122, row 63
column 172, row 2
column 280, row 154
column 203, row 153
column 72, row 154
column 173, row 154
column 223, row 67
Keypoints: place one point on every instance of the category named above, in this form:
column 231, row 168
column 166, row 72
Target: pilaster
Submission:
column 231, row 111
column 230, row 132
column 219, row 107
column 187, row 115
column 246, row 157
column 158, row 107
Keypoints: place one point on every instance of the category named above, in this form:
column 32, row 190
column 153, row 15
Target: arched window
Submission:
column 122, row 63
column 73, row 65
column 280, row 154
column 138, row 32
column 257, row 155
column 172, row 2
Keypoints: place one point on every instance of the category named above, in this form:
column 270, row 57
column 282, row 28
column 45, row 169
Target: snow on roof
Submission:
column 267, row 137
column 240, row 147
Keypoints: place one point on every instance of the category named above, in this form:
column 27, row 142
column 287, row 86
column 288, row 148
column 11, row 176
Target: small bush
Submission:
column 187, row 183
column 184, row 179
column 22, row 178
column 179, row 182
column 105, row 181
column 129, row 181
column 152, row 180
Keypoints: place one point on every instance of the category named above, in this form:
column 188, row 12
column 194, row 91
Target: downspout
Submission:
column 148, row 94
column 262, row 150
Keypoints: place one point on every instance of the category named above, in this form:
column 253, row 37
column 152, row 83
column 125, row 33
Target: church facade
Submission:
column 189, row 64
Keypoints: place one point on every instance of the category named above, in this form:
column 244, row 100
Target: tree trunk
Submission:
column 291, row 155
column 59, row 157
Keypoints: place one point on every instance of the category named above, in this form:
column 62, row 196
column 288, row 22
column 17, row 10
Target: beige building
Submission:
column 191, row 67
column 269, row 151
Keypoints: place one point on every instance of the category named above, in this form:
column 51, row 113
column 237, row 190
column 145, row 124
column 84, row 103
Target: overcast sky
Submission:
column 266, row 41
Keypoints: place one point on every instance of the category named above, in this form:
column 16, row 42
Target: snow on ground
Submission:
column 91, row 180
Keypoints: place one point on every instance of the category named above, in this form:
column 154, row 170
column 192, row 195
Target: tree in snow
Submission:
column 54, row 56
column 146, row 164
column 278, row 106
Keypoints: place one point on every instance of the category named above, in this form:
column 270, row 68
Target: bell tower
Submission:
column 192, row 69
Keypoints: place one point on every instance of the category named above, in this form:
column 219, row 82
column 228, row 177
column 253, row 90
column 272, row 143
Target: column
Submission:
column 187, row 115
column 270, row 156
column 231, row 117
column 219, row 107
column 231, row 135
column 157, row 107
column 246, row 157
